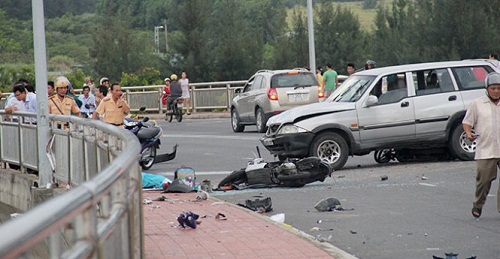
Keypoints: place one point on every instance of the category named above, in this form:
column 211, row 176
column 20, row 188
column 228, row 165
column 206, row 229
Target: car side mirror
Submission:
column 372, row 100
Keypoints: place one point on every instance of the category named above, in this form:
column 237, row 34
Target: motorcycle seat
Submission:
column 147, row 133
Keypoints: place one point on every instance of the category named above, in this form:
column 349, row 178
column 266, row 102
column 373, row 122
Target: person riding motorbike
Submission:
column 175, row 92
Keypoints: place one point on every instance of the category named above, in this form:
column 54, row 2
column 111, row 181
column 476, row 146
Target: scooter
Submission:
column 149, row 137
column 289, row 173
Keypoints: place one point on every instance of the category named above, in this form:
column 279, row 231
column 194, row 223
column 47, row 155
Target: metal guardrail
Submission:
column 102, row 216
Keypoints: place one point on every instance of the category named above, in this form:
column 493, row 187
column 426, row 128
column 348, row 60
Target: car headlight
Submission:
column 291, row 129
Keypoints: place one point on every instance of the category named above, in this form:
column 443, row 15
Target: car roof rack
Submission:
column 263, row 70
column 300, row 68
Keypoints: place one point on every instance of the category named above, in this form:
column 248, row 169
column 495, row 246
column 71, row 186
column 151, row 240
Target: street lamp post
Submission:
column 157, row 38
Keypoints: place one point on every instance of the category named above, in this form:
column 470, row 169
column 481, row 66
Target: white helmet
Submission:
column 492, row 79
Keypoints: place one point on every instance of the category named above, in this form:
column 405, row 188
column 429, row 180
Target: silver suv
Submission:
column 269, row 92
column 410, row 110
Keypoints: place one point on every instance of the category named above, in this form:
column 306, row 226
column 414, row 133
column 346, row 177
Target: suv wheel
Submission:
column 260, row 121
column 461, row 147
column 235, row 121
column 332, row 148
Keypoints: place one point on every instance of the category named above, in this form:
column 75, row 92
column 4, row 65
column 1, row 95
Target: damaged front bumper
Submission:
column 288, row 145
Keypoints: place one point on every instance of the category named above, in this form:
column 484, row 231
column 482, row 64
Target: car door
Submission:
column 392, row 118
column 245, row 104
column 436, row 100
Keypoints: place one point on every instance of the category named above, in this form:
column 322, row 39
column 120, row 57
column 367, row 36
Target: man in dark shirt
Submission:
column 175, row 91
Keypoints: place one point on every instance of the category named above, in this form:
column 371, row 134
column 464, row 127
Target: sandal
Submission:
column 476, row 212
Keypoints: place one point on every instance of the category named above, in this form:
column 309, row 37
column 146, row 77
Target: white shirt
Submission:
column 89, row 100
column 484, row 116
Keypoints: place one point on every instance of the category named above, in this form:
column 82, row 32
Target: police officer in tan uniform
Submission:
column 60, row 103
column 113, row 109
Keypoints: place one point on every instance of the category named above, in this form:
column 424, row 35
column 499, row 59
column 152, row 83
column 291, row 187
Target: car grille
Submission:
column 273, row 129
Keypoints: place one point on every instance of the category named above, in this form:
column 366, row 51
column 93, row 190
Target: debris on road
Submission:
column 147, row 201
column 328, row 204
column 384, row 177
column 280, row 218
column 220, row 216
column 259, row 205
column 424, row 177
column 202, row 195
column 353, row 232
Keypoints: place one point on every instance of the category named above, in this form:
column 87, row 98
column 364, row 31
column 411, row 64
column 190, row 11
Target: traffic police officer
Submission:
column 113, row 109
column 60, row 103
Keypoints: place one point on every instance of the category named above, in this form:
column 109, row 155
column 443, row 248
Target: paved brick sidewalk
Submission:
column 244, row 234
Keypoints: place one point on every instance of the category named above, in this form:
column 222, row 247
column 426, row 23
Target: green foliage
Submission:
column 369, row 4
column 11, row 73
column 147, row 76
column 77, row 78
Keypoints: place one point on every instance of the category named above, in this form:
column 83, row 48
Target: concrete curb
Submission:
column 334, row 251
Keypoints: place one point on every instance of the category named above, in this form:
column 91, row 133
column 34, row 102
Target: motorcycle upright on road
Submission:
column 149, row 136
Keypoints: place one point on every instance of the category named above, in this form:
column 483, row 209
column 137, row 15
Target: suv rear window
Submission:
column 471, row 77
column 293, row 80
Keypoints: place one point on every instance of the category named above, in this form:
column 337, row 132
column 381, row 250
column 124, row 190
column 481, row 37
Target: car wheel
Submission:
column 332, row 148
column 235, row 121
column 260, row 121
column 461, row 147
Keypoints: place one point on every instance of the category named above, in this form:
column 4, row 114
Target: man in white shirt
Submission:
column 23, row 101
column 88, row 102
column 483, row 115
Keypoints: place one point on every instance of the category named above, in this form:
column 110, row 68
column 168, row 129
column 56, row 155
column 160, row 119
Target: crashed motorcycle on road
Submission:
column 290, row 173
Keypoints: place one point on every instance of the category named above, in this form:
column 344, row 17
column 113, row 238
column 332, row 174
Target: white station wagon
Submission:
column 413, row 110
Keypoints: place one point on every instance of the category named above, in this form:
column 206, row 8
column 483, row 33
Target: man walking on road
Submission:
column 330, row 80
column 483, row 115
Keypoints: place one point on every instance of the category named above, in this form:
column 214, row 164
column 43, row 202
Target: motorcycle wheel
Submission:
column 148, row 163
column 179, row 115
column 383, row 156
column 236, row 177
column 172, row 112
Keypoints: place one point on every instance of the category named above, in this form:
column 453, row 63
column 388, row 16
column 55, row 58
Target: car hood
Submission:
column 311, row 110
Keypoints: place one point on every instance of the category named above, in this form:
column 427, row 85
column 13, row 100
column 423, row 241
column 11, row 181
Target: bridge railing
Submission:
column 101, row 215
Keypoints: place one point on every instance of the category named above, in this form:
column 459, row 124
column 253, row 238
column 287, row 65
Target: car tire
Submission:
column 461, row 147
column 235, row 121
column 332, row 148
column 260, row 121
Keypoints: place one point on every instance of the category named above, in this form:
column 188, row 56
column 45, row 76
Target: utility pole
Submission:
column 42, row 117
column 157, row 39
column 310, row 29
column 166, row 34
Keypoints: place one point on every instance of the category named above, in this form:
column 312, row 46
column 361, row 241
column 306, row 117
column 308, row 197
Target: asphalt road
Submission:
column 421, row 210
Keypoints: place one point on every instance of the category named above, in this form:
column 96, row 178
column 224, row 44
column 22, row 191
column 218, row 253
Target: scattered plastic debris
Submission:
column 323, row 239
column 451, row 256
column 202, row 195
column 328, row 204
column 280, row 218
column 424, row 177
column 384, row 177
column 188, row 219
column 220, row 216
column 15, row 215
column 162, row 198
column 206, row 185
column 314, row 229
column 353, row 232
column 147, row 201
column 259, row 205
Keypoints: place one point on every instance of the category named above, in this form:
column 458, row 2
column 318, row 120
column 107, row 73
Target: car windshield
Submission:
column 294, row 80
column 352, row 89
